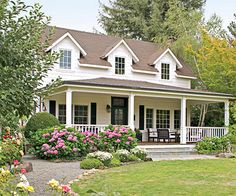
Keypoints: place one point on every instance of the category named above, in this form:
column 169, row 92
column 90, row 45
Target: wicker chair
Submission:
column 152, row 134
column 163, row 134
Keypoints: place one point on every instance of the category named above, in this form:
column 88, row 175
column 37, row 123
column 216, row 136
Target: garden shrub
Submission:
column 232, row 134
column 115, row 138
column 104, row 157
column 124, row 155
column 41, row 120
column 140, row 153
column 213, row 145
column 115, row 162
column 91, row 163
column 58, row 144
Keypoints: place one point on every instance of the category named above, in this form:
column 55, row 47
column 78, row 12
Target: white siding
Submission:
column 103, row 117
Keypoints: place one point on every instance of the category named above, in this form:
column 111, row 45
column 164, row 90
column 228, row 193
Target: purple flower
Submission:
column 105, row 143
column 75, row 149
column 127, row 143
column 118, row 141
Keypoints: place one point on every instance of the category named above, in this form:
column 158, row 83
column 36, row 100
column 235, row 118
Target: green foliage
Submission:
column 58, row 144
column 90, row 164
column 23, row 61
column 232, row 134
column 232, row 28
column 115, row 162
column 114, row 138
column 41, row 120
column 216, row 62
column 125, row 156
column 146, row 19
column 9, row 151
column 140, row 153
column 213, row 145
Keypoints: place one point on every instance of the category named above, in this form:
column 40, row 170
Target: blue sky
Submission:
column 83, row 14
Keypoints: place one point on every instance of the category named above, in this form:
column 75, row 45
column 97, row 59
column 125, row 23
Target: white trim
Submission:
column 190, row 96
column 187, row 77
column 142, row 71
column 94, row 66
column 172, row 54
column 126, row 45
column 72, row 39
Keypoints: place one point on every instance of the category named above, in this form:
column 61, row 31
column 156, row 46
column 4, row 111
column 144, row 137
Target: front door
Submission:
column 119, row 111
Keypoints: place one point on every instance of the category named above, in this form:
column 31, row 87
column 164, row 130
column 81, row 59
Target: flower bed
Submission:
column 70, row 144
column 59, row 144
column 115, row 138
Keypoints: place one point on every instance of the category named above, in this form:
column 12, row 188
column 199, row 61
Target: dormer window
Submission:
column 165, row 71
column 65, row 59
column 119, row 65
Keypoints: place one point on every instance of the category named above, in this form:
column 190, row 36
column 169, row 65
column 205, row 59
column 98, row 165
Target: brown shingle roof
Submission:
column 96, row 45
column 142, row 85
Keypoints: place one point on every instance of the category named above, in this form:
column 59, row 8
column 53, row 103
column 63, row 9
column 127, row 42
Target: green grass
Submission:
column 190, row 177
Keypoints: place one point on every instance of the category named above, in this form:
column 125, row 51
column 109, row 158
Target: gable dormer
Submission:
column 70, row 51
column 121, row 57
column 169, row 67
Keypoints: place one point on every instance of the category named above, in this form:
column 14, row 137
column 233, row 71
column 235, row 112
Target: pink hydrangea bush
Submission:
column 115, row 138
column 59, row 144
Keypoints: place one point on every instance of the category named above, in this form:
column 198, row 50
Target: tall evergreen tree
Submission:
column 147, row 19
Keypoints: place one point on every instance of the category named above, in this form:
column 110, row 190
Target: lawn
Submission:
column 195, row 177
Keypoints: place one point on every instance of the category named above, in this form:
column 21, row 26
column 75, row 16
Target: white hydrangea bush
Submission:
column 104, row 157
column 140, row 153
column 123, row 155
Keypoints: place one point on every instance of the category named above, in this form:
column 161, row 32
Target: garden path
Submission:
column 43, row 171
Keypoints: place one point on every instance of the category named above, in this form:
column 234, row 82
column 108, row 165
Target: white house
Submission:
column 110, row 80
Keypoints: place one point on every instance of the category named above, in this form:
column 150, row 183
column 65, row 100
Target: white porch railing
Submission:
column 91, row 128
column 194, row 134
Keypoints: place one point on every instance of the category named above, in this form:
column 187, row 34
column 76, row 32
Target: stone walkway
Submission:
column 43, row 171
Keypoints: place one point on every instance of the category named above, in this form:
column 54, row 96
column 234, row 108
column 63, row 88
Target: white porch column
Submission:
column 131, row 111
column 68, row 108
column 183, row 121
column 227, row 113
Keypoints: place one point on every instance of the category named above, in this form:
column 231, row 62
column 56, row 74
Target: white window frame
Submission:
column 88, row 114
column 149, row 118
column 61, row 115
column 120, row 68
column 166, row 74
column 62, row 56
column 164, row 125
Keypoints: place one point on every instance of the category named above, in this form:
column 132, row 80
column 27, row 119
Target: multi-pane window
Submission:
column 165, row 71
column 81, row 114
column 149, row 118
column 65, row 59
column 163, row 119
column 62, row 113
column 119, row 65
column 177, row 115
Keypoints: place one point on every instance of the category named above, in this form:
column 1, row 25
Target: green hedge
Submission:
column 41, row 120
column 90, row 164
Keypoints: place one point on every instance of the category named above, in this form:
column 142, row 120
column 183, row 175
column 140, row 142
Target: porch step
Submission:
column 168, row 150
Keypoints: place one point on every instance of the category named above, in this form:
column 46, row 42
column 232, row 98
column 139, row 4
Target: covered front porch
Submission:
column 89, row 108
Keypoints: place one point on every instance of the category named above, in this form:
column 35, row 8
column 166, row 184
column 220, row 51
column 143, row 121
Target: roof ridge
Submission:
column 105, row 35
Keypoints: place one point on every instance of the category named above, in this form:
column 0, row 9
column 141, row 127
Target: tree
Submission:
column 146, row 19
column 216, row 63
column 232, row 28
column 23, row 60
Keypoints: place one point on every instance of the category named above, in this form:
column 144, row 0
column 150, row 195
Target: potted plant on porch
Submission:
column 138, row 134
